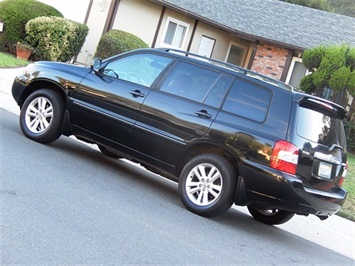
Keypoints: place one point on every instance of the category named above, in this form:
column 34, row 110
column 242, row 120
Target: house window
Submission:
column 296, row 73
column 175, row 33
column 236, row 54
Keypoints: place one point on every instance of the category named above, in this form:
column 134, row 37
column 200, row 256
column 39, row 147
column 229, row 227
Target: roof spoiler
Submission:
column 320, row 104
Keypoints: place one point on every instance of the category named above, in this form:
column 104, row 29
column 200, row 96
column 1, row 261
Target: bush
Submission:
column 116, row 42
column 56, row 39
column 15, row 14
column 307, row 84
column 313, row 57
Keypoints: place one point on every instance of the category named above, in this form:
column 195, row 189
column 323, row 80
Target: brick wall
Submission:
column 270, row 60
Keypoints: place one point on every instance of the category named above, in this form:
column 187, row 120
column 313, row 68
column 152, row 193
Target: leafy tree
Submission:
column 331, row 66
column 317, row 4
column 344, row 7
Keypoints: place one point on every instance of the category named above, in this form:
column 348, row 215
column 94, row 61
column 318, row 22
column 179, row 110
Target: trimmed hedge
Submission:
column 15, row 14
column 117, row 41
column 55, row 38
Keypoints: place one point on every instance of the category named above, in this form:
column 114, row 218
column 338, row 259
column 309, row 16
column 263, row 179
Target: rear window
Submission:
column 320, row 128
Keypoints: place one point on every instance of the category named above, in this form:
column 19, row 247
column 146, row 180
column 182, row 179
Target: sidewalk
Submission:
column 335, row 233
column 7, row 76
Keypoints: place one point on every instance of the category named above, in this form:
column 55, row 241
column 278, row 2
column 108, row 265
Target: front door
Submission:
column 114, row 96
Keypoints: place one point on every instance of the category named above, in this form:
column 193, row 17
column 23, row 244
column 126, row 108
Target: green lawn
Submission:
column 348, row 210
column 9, row 61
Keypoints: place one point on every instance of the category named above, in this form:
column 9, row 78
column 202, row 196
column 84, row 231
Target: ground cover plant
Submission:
column 10, row 61
column 348, row 210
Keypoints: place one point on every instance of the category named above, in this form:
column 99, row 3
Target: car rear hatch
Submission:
column 320, row 136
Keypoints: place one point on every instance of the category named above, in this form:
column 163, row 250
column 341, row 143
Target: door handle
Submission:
column 136, row 93
column 203, row 113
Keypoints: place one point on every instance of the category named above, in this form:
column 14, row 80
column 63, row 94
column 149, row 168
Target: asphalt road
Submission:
column 66, row 203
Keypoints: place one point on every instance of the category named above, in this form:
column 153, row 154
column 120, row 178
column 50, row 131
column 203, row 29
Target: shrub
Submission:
column 307, row 84
column 313, row 57
column 15, row 14
column 116, row 42
column 55, row 38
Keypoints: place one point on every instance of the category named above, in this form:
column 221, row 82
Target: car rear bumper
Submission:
column 272, row 189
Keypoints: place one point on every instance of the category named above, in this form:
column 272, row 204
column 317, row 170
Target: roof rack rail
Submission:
column 207, row 59
column 230, row 66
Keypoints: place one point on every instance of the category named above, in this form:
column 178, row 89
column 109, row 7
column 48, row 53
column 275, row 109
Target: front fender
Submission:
column 61, row 77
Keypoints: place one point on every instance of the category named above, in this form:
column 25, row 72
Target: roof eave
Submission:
column 247, row 36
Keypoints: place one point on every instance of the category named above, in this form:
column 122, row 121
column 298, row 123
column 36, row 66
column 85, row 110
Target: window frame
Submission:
column 179, row 23
column 292, row 67
column 244, row 54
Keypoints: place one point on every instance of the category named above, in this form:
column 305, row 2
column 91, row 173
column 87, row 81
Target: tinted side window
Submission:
column 141, row 69
column 248, row 100
column 197, row 83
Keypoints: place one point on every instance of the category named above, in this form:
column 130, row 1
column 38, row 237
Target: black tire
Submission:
column 41, row 116
column 270, row 216
column 212, row 192
column 107, row 152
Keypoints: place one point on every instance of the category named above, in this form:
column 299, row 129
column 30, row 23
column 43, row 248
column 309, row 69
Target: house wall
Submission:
column 223, row 41
column 96, row 22
column 138, row 17
column 74, row 10
column 270, row 60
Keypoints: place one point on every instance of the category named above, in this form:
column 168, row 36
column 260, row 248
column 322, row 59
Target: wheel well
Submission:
column 37, row 85
column 202, row 148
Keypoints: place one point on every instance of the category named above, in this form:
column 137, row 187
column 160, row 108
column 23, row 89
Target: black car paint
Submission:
column 142, row 123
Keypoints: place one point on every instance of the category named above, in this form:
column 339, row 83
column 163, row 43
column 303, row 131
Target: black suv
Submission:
column 227, row 134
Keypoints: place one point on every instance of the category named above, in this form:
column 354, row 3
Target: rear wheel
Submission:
column 270, row 216
column 207, row 185
column 41, row 116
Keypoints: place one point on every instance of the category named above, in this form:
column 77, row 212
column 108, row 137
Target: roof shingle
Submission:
column 277, row 21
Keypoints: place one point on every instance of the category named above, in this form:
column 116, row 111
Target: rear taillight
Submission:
column 341, row 180
column 284, row 157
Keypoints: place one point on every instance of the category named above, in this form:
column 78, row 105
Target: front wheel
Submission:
column 41, row 116
column 207, row 185
column 270, row 216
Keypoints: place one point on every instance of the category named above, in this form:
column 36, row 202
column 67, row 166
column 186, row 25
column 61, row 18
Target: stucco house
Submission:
column 267, row 36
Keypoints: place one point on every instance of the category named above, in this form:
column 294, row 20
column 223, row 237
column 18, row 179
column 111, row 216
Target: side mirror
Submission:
column 96, row 64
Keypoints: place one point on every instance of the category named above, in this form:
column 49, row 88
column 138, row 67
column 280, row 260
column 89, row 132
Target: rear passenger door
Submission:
column 179, row 112
column 244, row 119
